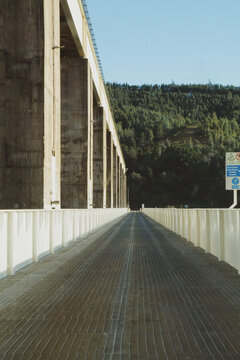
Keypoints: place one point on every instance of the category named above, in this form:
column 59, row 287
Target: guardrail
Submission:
column 28, row 235
column 214, row 230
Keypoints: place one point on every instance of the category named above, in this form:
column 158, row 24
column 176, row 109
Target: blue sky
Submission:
column 164, row 41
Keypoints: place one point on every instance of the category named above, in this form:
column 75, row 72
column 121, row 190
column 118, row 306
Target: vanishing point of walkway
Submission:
column 136, row 291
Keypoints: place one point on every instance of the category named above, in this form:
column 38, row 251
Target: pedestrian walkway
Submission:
column 132, row 291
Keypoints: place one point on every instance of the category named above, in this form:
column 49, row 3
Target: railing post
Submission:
column 52, row 230
column 208, row 233
column 3, row 244
column 64, row 229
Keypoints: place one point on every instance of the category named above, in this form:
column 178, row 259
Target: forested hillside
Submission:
column 174, row 140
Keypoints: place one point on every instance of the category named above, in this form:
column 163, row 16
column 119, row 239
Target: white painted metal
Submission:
column 54, row 180
column 28, row 235
column 235, row 201
column 231, row 235
column 3, row 244
column 214, row 233
column 217, row 231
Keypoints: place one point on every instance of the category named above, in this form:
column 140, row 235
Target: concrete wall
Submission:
column 119, row 185
column 114, row 176
column 214, row 230
column 99, row 157
column 123, row 188
column 76, row 132
column 21, row 104
column 109, row 185
column 29, row 103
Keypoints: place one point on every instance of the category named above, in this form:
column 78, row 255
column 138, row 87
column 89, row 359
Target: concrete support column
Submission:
column 99, row 157
column 122, row 187
column 77, row 133
column 29, row 104
column 119, row 184
column 109, row 170
column 125, row 191
column 52, row 105
column 114, row 177
column 117, row 181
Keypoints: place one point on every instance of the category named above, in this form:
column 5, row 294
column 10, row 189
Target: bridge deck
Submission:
column 137, row 292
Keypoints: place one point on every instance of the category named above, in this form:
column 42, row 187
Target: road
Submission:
column 130, row 291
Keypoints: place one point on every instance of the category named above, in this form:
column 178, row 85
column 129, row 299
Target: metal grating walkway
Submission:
column 136, row 292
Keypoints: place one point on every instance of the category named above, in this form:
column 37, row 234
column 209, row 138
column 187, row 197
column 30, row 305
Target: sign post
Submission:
column 233, row 174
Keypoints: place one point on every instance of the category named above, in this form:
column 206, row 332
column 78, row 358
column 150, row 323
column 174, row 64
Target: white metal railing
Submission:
column 214, row 230
column 28, row 235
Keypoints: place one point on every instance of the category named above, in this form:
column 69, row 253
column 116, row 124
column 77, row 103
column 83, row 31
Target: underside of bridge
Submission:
column 56, row 145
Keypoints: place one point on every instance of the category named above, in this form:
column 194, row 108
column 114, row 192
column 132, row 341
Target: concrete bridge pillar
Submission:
column 125, row 191
column 119, row 184
column 114, row 176
column 109, row 200
column 117, row 181
column 77, row 133
column 29, row 104
column 121, row 187
column 99, row 157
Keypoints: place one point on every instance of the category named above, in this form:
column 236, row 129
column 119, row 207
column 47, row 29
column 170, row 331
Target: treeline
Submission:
column 174, row 140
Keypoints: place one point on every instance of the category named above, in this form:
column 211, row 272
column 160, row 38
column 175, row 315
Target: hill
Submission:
column 174, row 140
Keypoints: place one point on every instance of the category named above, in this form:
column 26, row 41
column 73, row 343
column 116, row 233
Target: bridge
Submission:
column 101, row 282
column 58, row 144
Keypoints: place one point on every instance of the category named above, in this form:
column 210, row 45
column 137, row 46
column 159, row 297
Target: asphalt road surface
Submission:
column 133, row 290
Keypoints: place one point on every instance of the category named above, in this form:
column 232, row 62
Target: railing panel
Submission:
column 203, row 229
column 43, row 233
column 214, row 233
column 56, row 230
column 23, row 241
column 3, row 244
column 231, row 237
column 185, row 217
column 180, row 222
column 193, row 227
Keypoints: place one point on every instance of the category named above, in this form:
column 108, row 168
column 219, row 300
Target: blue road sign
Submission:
column 233, row 170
